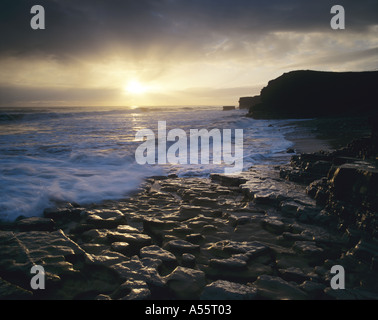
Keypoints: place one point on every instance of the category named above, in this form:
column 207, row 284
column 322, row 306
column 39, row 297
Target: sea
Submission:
column 86, row 155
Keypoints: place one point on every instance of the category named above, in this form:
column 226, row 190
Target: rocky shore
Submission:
column 273, row 232
column 253, row 236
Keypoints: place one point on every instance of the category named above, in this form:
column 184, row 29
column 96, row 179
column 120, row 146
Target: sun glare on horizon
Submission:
column 135, row 87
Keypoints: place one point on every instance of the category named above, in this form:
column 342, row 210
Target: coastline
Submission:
column 307, row 142
column 182, row 155
column 327, row 134
column 249, row 237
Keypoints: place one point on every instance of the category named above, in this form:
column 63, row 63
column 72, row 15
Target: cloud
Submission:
column 29, row 96
column 151, row 26
column 359, row 58
column 173, row 45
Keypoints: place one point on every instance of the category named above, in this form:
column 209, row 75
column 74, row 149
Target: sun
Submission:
column 135, row 87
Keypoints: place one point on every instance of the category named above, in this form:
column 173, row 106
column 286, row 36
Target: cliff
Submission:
column 310, row 94
column 249, row 102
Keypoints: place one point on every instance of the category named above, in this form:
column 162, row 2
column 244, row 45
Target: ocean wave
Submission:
column 86, row 155
column 7, row 117
column 29, row 188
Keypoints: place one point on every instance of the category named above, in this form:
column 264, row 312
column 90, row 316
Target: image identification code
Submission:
column 208, row 309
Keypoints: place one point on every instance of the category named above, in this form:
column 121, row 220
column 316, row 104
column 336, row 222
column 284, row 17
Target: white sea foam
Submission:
column 86, row 155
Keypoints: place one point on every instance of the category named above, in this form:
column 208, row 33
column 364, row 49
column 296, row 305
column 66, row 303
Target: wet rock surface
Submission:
column 253, row 236
column 345, row 183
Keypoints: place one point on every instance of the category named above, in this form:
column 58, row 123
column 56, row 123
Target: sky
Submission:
column 173, row 52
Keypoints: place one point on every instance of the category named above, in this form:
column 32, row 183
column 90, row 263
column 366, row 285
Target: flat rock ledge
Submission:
column 249, row 237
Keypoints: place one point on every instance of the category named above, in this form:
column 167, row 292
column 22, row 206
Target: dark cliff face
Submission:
column 249, row 102
column 309, row 94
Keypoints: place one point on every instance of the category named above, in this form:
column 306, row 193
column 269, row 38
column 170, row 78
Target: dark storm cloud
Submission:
column 84, row 27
